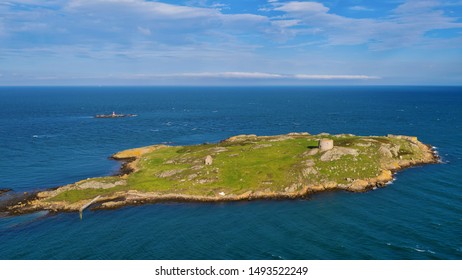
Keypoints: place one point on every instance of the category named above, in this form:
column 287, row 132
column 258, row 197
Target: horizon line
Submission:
column 237, row 85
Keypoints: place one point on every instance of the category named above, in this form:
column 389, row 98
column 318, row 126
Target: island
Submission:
column 243, row 167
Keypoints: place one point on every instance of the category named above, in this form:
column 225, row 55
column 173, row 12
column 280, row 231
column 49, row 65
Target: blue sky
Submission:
column 208, row 42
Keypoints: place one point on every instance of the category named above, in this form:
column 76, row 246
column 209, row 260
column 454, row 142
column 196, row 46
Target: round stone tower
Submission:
column 326, row 144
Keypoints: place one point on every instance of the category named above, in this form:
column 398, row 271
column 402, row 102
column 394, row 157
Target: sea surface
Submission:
column 48, row 138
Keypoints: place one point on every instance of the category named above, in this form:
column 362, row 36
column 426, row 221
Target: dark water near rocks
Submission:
column 49, row 138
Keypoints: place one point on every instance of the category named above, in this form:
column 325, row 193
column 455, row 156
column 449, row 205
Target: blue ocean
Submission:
column 48, row 138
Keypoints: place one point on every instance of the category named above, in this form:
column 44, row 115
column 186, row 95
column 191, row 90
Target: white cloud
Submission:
column 405, row 26
column 284, row 23
column 182, row 24
column 335, row 77
column 33, row 2
column 230, row 75
column 98, row 23
column 361, row 9
column 144, row 31
column 143, row 8
column 123, row 21
column 201, row 77
column 301, row 7
column 257, row 75
column 417, row 6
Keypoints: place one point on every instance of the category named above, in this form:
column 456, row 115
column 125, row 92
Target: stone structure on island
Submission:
column 208, row 160
column 326, row 144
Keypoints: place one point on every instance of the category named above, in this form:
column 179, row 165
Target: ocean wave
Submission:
column 274, row 256
column 421, row 250
column 424, row 251
column 417, row 248
column 39, row 136
column 391, row 181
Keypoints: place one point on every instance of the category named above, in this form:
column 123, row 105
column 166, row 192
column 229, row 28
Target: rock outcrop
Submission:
column 337, row 152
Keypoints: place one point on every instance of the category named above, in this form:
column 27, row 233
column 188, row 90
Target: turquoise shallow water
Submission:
column 48, row 138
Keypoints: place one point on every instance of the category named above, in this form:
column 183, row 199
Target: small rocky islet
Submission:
column 243, row 167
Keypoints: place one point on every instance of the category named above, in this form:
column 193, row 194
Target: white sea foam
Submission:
column 391, row 182
column 420, row 250
column 43, row 136
column 277, row 256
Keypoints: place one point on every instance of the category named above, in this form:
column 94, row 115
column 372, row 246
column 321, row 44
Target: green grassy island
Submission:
column 243, row 167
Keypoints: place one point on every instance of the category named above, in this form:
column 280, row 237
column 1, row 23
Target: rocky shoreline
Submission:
column 4, row 191
column 131, row 159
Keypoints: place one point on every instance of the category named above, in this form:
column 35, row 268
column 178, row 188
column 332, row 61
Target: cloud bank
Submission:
column 259, row 75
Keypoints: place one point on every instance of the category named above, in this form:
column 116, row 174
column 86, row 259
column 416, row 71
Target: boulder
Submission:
column 385, row 176
column 93, row 184
column 359, row 185
column 395, row 150
column 298, row 134
column 312, row 152
column 306, row 172
column 337, row 152
column 169, row 173
column 384, row 151
column 241, row 137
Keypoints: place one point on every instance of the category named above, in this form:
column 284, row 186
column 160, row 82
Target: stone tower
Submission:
column 326, row 144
